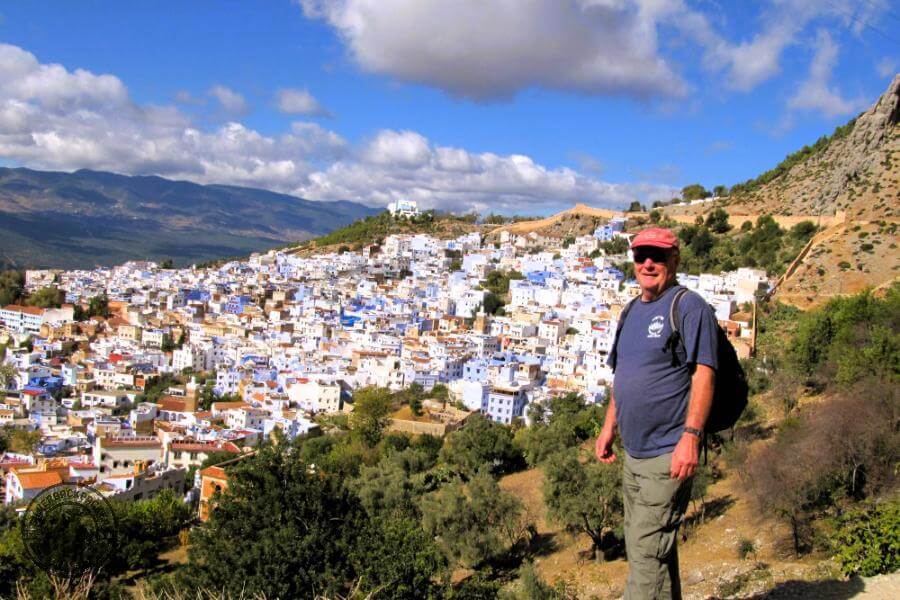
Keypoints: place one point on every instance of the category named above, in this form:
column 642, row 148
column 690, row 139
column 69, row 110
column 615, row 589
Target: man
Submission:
column 659, row 406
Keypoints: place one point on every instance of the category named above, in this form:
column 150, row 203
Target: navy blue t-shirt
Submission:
column 652, row 395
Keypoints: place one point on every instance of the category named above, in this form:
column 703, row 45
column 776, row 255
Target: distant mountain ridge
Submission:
column 89, row 218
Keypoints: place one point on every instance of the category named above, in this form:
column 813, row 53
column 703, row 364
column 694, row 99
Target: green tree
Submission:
column 702, row 242
column 636, row 206
column 98, row 306
column 717, row 220
column 584, row 497
column 440, row 392
column 394, row 485
column 804, row 230
column 147, row 527
column 396, row 559
column 695, row 191
column 720, row 191
column 565, row 423
column 7, row 375
column 46, row 297
column 655, row 216
column 277, row 530
column 167, row 344
column 617, row 245
column 475, row 522
column 479, row 443
column 492, row 303
column 12, row 285
column 371, row 413
column 24, row 442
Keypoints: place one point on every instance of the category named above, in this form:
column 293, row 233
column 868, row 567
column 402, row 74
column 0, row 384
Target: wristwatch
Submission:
column 693, row 431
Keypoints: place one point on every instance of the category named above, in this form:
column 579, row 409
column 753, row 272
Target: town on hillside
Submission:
column 145, row 374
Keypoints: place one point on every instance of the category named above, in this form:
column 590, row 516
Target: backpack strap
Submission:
column 674, row 338
column 619, row 324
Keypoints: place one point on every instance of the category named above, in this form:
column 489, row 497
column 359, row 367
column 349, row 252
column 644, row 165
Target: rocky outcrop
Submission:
column 855, row 171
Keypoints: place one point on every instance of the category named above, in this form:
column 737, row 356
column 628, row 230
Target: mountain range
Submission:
column 90, row 218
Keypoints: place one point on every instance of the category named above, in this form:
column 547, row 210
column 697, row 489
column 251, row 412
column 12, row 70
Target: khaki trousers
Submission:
column 654, row 508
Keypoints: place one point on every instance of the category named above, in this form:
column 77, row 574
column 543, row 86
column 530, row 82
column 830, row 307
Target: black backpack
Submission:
column 731, row 389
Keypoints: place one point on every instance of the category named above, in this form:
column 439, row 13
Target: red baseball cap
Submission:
column 658, row 237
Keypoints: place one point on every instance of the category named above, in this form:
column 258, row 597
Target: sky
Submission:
column 508, row 106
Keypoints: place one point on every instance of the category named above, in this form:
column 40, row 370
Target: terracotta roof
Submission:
column 172, row 403
column 217, row 472
column 38, row 480
column 125, row 442
column 228, row 405
column 204, row 446
column 30, row 310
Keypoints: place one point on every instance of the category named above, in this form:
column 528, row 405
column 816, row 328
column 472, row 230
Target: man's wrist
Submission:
column 693, row 431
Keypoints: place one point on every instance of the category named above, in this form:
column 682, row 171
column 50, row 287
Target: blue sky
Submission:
column 509, row 105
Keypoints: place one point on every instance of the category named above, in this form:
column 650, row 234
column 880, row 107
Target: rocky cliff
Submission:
column 856, row 170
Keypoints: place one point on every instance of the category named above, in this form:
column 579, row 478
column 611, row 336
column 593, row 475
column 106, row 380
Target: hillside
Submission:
column 88, row 218
column 856, row 169
column 374, row 228
column 848, row 183
column 581, row 219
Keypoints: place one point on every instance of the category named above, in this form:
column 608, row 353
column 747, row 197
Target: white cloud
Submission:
column 232, row 102
column 492, row 50
column 300, row 102
column 403, row 164
column 750, row 62
column 52, row 118
column 816, row 93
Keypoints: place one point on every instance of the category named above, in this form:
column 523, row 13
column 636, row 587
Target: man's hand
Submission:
column 685, row 457
column 603, row 448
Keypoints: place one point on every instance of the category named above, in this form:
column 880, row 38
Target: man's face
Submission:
column 654, row 268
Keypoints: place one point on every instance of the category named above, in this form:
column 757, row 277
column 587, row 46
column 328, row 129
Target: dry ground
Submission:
column 711, row 566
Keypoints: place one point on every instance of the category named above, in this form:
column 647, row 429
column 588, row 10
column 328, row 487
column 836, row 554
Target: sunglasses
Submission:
column 657, row 255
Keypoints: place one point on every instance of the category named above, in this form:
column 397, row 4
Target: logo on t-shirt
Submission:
column 656, row 327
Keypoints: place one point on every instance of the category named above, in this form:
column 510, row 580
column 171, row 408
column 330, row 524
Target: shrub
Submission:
column 866, row 540
column 745, row 548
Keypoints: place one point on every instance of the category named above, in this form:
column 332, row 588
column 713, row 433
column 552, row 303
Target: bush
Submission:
column 745, row 548
column 479, row 443
column 866, row 540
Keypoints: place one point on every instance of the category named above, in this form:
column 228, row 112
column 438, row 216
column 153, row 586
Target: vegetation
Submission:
column 793, row 159
column 842, row 451
column 565, row 423
column 497, row 285
column 707, row 247
column 617, row 245
column 695, row 191
column 46, row 297
column 866, row 540
column 12, row 285
column 636, row 206
column 481, row 443
column 98, row 306
column 145, row 528
column 585, row 496
column 373, row 229
column 473, row 522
